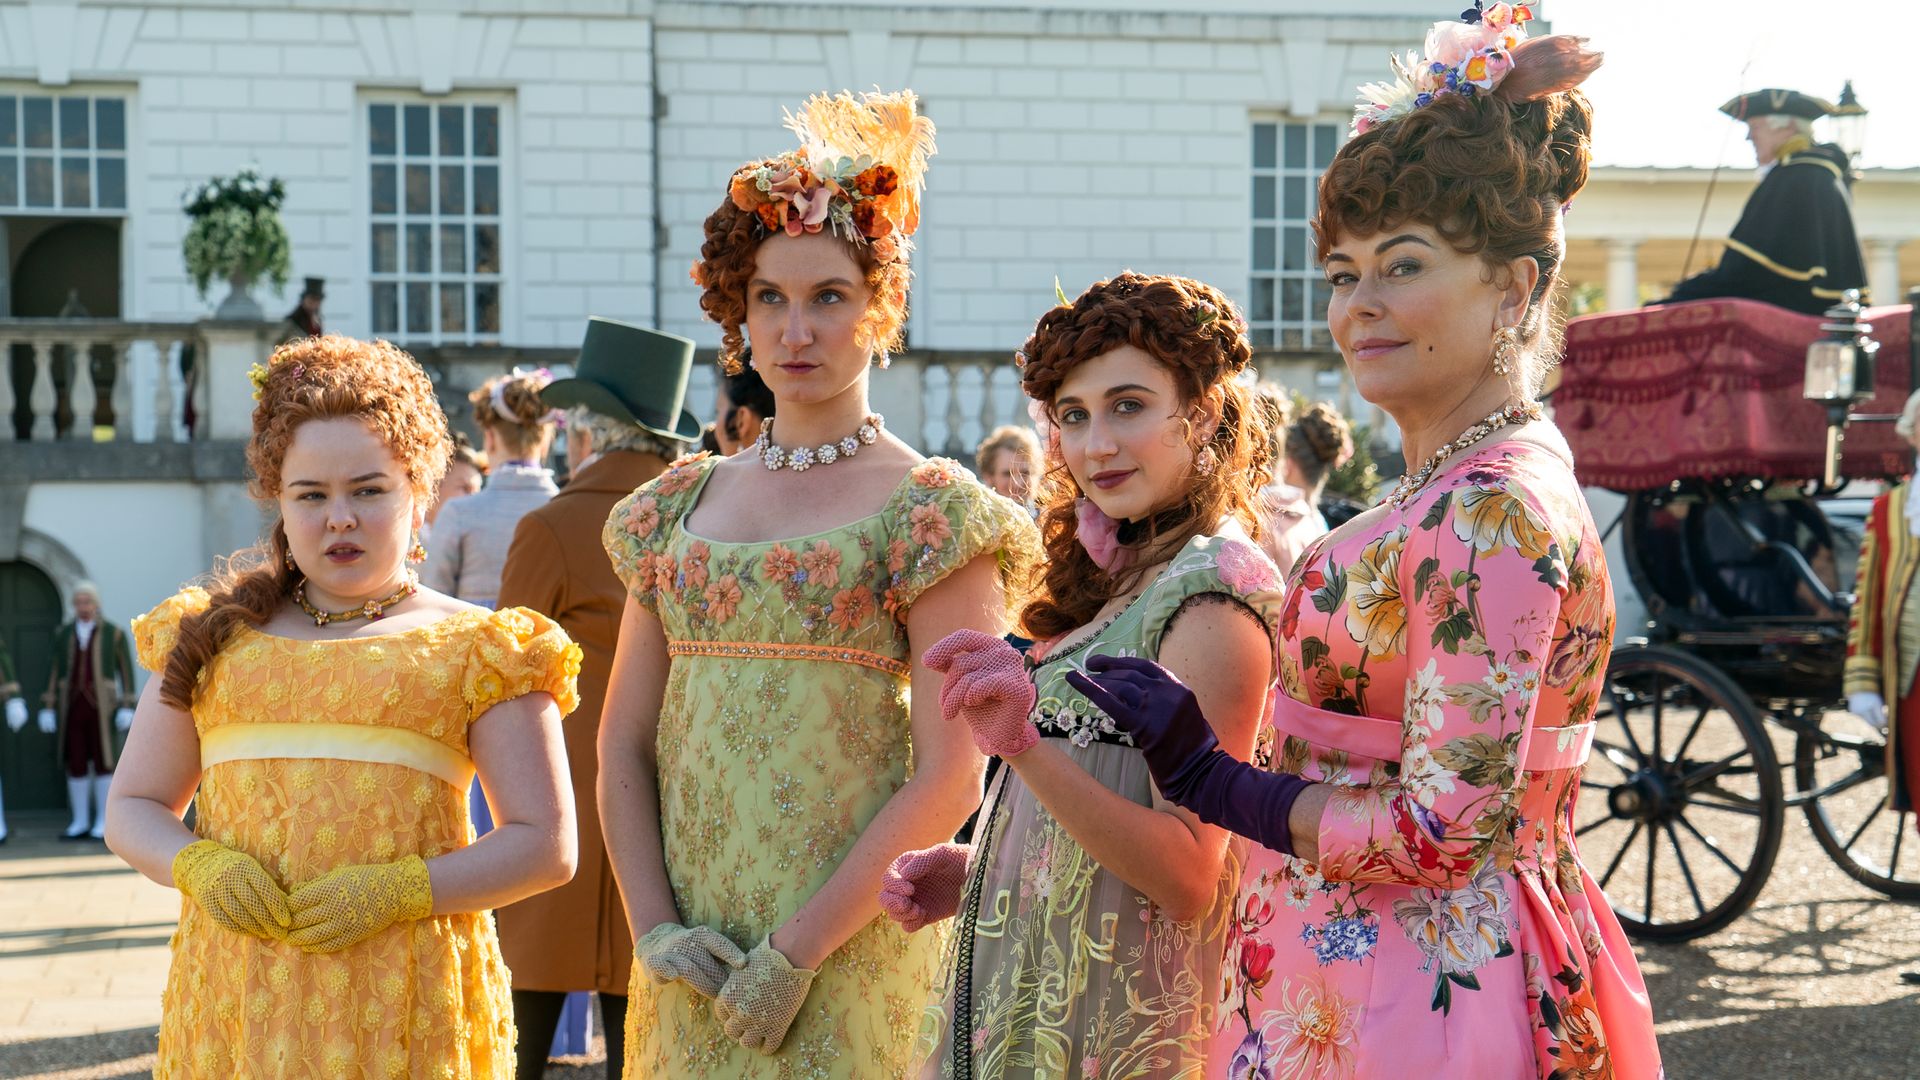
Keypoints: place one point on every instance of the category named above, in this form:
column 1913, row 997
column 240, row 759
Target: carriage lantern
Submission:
column 1850, row 123
column 1840, row 372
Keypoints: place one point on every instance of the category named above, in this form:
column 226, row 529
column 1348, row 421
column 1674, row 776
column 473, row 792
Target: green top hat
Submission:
column 633, row 374
column 1777, row 103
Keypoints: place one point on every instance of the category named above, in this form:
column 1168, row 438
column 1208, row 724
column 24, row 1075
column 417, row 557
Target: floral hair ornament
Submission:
column 259, row 373
column 1487, row 53
column 859, row 171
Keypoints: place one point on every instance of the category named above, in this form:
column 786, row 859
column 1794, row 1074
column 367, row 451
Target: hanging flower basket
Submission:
column 236, row 234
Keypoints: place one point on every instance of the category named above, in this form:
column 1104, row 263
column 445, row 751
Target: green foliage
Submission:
column 236, row 229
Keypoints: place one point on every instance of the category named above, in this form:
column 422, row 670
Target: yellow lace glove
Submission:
column 759, row 1001
column 349, row 905
column 233, row 889
column 699, row 956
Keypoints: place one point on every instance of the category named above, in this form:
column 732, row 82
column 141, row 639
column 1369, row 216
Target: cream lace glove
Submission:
column 233, row 889
column 698, row 956
column 349, row 905
column 759, row 1001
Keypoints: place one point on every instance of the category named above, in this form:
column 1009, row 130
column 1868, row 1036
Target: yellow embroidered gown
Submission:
column 783, row 731
column 321, row 754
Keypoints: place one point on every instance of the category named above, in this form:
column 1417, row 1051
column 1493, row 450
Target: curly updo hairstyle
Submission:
column 520, row 397
column 727, row 263
column 1319, row 441
column 1194, row 330
column 1491, row 174
column 318, row 378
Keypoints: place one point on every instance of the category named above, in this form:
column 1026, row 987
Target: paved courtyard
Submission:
column 1805, row 986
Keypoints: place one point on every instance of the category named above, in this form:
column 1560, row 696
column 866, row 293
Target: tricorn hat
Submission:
column 633, row 374
column 1777, row 103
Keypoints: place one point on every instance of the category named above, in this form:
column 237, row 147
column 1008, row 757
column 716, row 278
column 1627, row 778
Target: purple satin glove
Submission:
column 1147, row 702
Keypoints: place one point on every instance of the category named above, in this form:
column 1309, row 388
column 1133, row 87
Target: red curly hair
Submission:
column 727, row 263
column 1194, row 330
column 321, row 378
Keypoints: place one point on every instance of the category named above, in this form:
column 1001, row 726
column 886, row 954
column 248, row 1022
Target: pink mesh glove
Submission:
column 924, row 886
column 987, row 686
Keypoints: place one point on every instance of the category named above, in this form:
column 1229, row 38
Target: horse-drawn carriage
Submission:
column 1724, row 709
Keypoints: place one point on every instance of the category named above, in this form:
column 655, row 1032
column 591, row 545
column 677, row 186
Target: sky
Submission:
column 1670, row 66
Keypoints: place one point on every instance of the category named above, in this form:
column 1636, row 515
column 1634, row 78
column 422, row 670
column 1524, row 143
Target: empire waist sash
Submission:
column 342, row 742
column 785, row 650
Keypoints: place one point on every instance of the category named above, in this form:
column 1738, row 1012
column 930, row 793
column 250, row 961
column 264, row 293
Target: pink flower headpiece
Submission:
column 1469, row 57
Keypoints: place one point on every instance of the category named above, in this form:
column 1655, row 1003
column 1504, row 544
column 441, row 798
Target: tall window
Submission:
column 434, row 203
column 1287, row 297
column 62, row 152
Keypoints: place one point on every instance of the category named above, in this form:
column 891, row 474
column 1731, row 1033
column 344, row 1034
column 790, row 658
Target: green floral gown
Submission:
column 1058, row 968
column 783, row 731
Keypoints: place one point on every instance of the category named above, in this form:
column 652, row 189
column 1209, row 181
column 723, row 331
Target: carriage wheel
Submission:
column 1844, row 777
column 1681, row 811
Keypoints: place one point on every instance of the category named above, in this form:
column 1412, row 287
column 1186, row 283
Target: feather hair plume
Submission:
column 1548, row 65
column 875, row 128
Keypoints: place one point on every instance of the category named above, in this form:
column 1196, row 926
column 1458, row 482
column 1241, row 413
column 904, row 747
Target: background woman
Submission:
column 471, row 535
column 324, row 715
column 1441, row 655
column 1009, row 463
column 1312, row 445
column 1092, row 920
column 765, row 705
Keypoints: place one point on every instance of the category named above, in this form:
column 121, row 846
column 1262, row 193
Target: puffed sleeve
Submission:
column 641, row 526
column 1484, row 579
column 155, row 632
column 1221, row 567
column 519, row 651
column 945, row 519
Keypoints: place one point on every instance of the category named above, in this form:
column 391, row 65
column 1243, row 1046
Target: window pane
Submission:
column 380, row 137
column 1296, row 197
column 386, row 307
column 453, row 249
column 76, row 185
column 110, row 124
column 1294, row 255
column 453, row 130
column 486, row 307
column 112, row 180
column 1263, row 196
column 386, row 249
column 1296, row 148
column 39, row 181
column 486, row 189
column 1322, row 293
column 1263, row 249
column 1290, row 339
column 1262, row 294
column 419, row 189
column 453, row 189
column 486, row 249
column 1262, row 337
column 383, row 196
column 1263, row 135
column 419, row 307
column 1326, row 139
column 39, row 121
column 9, row 121
column 419, row 138
column 419, row 249
column 1318, row 338
column 486, row 131
column 1291, row 309
column 453, row 309
column 9, row 180
column 73, row 124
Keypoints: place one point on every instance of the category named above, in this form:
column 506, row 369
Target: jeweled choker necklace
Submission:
column 370, row 610
column 776, row 457
column 1505, row 416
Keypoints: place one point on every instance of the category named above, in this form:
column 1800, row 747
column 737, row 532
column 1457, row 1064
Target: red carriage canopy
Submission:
column 1712, row 390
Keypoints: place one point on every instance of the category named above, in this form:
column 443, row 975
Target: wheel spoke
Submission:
column 1714, row 847
column 1899, row 834
column 1862, row 830
column 1742, row 806
column 1681, row 754
column 1659, row 713
column 1653, row 850
column 1686, row 871
column 1852, row 780
column 1619, row 855
column 1589, row 827
column 1713, row 768
column 1620, row 714
column 1616, row 756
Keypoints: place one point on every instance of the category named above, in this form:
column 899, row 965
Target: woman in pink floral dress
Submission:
column 1422, row 910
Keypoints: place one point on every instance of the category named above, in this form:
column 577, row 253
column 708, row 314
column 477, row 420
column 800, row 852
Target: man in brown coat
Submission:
column 88, row 708
column 624, row 422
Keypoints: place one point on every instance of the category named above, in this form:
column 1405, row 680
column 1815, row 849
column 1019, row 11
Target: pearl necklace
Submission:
column 1505, row 416
column 370, row 610
column 776, row 457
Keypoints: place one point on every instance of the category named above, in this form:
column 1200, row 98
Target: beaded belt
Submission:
column 779, row 650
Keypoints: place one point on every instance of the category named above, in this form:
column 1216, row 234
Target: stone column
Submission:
column 1623, row 273
column 231, row 349
column 1883, row 269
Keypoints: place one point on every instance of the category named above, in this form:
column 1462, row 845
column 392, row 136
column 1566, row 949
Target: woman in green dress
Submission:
column 769, row 742
column 1092, row 913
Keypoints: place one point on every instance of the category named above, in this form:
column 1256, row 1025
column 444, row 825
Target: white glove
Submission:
column 1870, row 707
column 16, row 713
column 123, row 719
column 48, row 722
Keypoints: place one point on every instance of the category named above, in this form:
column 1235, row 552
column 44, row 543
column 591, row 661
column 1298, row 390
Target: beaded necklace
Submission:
column 1505, row 416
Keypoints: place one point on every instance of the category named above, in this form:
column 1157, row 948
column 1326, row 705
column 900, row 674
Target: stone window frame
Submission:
column 22, row 164
column 1286, row 291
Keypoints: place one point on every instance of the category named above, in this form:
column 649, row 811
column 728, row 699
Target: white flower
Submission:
column 1426, row 700
column 1424, row 778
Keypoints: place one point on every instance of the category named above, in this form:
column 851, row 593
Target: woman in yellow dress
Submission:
column 770, row 741
column 328, row 714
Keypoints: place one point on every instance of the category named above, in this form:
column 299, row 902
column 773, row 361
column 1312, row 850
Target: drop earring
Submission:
column 418, row 552
column 291, row 565
column 1203, row 462
column 1506, row 350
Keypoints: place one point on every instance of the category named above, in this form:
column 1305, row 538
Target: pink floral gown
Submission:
column 1440, row 662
